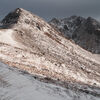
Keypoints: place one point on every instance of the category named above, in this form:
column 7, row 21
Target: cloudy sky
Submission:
column 48, row 9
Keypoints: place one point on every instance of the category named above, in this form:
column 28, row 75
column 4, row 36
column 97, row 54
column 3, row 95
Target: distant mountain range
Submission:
column 83, row 31
column 63, row 51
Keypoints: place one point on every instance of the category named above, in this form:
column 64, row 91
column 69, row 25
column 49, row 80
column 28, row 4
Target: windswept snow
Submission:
column 16, row 85
column 6, row 36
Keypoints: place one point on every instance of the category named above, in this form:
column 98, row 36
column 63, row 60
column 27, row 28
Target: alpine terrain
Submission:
column 59, row 59
column 83, row 31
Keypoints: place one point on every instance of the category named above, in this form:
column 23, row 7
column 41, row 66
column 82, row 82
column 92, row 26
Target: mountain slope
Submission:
column 83, row 31
column 15, row 84
column 33, row 45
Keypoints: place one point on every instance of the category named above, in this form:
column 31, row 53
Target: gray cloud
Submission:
column 54, row 8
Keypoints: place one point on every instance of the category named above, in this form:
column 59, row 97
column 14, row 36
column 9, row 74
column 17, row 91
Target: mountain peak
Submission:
column 12, row 17
column 90, row 19
column 19, row 9
column 16, row 16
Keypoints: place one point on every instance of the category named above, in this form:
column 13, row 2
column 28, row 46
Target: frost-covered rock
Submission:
column 84, row 31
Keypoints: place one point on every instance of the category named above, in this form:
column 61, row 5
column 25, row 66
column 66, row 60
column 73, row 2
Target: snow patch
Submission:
column 6, row 36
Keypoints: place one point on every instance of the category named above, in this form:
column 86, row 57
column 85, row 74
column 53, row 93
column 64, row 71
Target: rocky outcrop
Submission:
column 84, row 32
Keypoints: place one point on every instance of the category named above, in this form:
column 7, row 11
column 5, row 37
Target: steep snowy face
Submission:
column 33, row 45
column 85, row 32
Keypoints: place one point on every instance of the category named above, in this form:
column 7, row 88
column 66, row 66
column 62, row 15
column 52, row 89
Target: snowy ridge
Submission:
column 32, row 45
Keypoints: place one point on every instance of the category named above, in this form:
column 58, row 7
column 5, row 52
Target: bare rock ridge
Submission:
column 31, row 44
column 83, row 31
column 18, row 16
column 12, row 17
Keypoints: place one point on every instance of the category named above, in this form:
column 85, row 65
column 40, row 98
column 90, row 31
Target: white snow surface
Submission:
column 6, row 36
column 15, row 85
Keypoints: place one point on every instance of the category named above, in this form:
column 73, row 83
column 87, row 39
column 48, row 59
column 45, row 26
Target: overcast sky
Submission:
column 48, row 9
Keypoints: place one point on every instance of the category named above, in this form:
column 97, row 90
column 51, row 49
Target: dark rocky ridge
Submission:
column 12, row 17
column 83, row 31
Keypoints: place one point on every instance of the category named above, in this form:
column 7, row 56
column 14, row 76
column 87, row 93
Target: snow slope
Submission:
column 46, row 52
column 16, row 85
column 6, row 36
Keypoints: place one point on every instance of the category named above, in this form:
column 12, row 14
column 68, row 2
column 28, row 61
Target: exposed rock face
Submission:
column 31, row 44
column 12, row 17
column 85, row 32
column 67, row 25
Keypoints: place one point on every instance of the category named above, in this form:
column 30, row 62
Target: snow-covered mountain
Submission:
column 32, row 45
column 83, row 31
